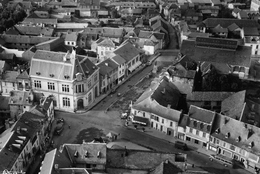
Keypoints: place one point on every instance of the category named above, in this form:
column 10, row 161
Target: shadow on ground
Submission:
column 216, row 170
column 88, row 135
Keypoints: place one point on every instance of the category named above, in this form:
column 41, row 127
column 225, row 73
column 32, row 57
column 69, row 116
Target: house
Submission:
column 199, row 126
column 21, row 142
column 9, row 82
column 73, row 80
column 133, row 4
column 105, row 47
column 226, row 52
column 207, row 99
column 23, row 42
column 131, row 55
column 161, row 106
column 236, row 140
column 108, row 71
column 4, row 112
column 31, row 30
column 91, row 4
column 116, row 34
column 19, row 102
column 23, row 80
column 71, row 38
column 98, row 158
column 121, row 67
column 42, row 22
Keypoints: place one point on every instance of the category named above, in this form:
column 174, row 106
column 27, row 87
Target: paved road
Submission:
column 106, row 122
column 104, row 104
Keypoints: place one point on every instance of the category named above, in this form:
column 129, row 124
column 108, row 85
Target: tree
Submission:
column 211, row 81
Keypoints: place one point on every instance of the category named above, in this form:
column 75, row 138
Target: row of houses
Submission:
column 227, row 132
column 26, row 137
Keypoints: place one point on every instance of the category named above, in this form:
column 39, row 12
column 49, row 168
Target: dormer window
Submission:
column 76, row 154
column 251, row 144
column 38, row 73
column 227, row 135
column 66, row 76
column 98, row 154
column 238, row 139
column 51, row 75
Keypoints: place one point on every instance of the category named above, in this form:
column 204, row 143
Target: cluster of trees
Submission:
column 10, row 16
column 214, row 81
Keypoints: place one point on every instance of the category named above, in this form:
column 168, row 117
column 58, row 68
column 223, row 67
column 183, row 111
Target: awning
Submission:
column 133, row 67
column 140, row 120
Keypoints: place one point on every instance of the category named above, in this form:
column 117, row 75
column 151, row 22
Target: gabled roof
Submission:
column 34, row 30
column 241, row 56
column 233, row 106
column 225, row 22
column 112, row 32
column 166, row 167
column 237, row 133
column 233, row 27
column 22, row 131
column 161, row 99
column 23, row 75
column 118, row 59
column 107, row 66
column 202, row 115
column 127, row 51
column 145, row 34
column 72, row 37
column 219, row 29
column 208, row 96
column 49, row 63
column 10, row 76
column 106, row 42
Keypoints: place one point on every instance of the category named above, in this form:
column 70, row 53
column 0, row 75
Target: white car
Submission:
column 124, row 115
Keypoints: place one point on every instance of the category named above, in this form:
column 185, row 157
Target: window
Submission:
column 66, row 102
column 89, row 84
column 255, row 52
column 256, row 46
column 196, row 141
column 95, row 77
column 37, row 84
column 13, row 84
column 204, row 134
column 65, row 88
column 80, row 88
column 197, row 132
column 191, row 130
column 51, row 86
column 188, row 139
column 143, row 114
column 89, row 98
column 217, row 141
column 232, row 147
column 224, row 144
column 171, row 123
column 162, row 120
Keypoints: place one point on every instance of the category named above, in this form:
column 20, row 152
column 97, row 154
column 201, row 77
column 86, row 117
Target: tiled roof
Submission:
column 182, row 72
column 112, row 32
column 10, row 76
column 25, row 39
column 23, row 75
column 145, row 34
column 158, row 36
column 233, row 27
column 136, row 159
column 161, row 99
column 9, row 153
column 72, row 37
column 4, row 103
column 251, row 31
column 118, row 59
column 166, row 167
column 34, row 30
column 41, row 20
column 24, row 98
column 237, row 133
column 241, row 56
column 219, row 29
column 200, row 114
column 127, row 51
column 106, row 42
column 96, row 153
column 48, row 62
column 225, row 22
column 107, row 66
column 208, row 96
column 233, row 105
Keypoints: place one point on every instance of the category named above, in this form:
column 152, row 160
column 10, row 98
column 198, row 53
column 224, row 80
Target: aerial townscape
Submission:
column 129, row 86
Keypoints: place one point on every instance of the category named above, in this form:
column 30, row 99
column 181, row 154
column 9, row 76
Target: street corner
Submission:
column 88, row 135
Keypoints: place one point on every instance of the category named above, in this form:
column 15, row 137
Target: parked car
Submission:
column 222, row 159
column 124, row 115
column 180, row 145
column 59, row 128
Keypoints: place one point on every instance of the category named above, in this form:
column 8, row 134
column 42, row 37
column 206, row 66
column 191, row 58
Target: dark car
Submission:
column 181, row 145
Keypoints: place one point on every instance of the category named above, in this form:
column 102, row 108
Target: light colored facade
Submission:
column 71, row 86
column 199, row 126
column 104, row 48
column 121, row 67
column 8, row 82
column 255, row 4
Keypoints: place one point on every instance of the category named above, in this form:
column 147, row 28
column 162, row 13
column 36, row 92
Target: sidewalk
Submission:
column 102, row 96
